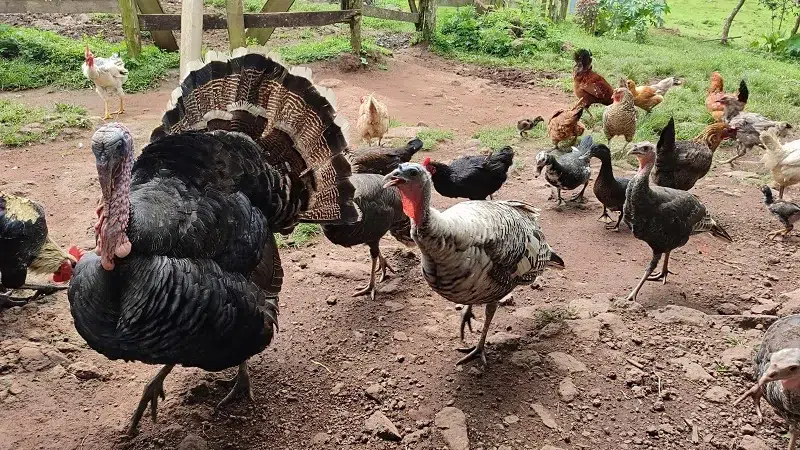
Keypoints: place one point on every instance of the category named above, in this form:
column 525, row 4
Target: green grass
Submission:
column 703, row 19
column 302, row 235
column 308, row 51
column 31, row 58
column 21, row 125
column 774, row 84
column 431, row 137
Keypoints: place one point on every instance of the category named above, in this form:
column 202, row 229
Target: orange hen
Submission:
column 716, row 93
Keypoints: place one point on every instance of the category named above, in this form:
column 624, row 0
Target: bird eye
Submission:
column 413, row 172
column 793, row 368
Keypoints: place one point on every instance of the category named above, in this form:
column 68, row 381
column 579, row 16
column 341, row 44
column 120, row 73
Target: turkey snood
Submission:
column 113, row 150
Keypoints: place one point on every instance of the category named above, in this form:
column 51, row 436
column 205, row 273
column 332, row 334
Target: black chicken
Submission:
column 381, row 160
column 567, row 171
column 25, row 246
column 787, row 212
column 608, row 189
column 664, row 218
column 188, row 270
column 382, row 211
column 472, row 177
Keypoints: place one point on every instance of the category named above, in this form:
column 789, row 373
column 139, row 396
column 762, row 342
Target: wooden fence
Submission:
column 148, row 15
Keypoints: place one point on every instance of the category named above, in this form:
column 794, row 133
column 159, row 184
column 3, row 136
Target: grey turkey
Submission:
column 608, row 189
column 568, row 171
column 473, row 253
column 787, row 212
column 381, row 161
column 777, row 373
column 382, row 212
column 664, row 218
column 187, row 270
column 25, row 246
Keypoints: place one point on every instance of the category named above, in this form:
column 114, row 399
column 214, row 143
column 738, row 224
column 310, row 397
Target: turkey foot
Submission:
column 782, row 232
column 383, row 266
column 153, row 390
column 466, row 320
column 240, row 388
column 650, row 268
column 755, row 393
column 664, row 271
column 8, row 302
column 370, row 288
column 479, row 350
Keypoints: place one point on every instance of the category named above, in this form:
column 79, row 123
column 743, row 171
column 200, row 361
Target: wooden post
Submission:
column 262, row 35
column 412, row 5
column 235, row 23
column 130, row 24
column 164, row 40
column 191, row 32
column 427, row 9
column 355, row 27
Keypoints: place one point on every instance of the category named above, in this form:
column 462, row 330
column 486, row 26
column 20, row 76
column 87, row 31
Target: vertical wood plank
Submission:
column 191, row 32
column 130, row 25
column 355, row 27
column 262, row 35
column 164, row 40
column 428, row 18
column 235, row 11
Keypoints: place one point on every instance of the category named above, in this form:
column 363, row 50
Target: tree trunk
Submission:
column 796, row 26
column 728, row 22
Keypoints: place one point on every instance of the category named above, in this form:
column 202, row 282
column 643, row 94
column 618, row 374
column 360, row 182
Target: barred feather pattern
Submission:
column 291, row 119
column 783, row 333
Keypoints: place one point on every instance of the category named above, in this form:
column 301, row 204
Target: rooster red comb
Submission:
column 427, row 161
column 76, row 253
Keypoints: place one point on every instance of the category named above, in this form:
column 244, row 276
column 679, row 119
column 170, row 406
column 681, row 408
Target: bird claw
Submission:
column 473, row 353
column 152, row 392
column 755, row 393
column 369, row 289
column 607, row 218
column 466, row 320
column 661, row 276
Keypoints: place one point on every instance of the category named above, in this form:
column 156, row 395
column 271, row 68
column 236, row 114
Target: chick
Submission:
column 526, row 125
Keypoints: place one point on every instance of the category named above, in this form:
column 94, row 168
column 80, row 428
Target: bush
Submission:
column 503, row 32
column 586, row 12
column 619, row 17
column 31, row 58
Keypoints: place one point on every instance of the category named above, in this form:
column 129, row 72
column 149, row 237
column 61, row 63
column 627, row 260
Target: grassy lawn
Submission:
column 703, row 19
column 21, row 125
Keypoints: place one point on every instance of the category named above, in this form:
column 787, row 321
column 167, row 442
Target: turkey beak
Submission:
column 393, row 179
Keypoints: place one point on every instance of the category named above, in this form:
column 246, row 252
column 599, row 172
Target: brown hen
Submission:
column 716, row 94
column 645, row 97
column 590, row 87
column 565, row 126
column 619, row 118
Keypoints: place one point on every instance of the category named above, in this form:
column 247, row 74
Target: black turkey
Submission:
column 187, row 269
column 382, row 212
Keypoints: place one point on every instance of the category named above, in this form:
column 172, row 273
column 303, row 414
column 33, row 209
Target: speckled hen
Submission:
column 664, row 218
column 777, row 373
column 188, row 270
column 476, row 252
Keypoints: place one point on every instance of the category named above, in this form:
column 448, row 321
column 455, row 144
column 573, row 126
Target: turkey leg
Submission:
column 650, row 269
column 121, row 106
column 370, row 289
column 664, row 271
column 241, row 387
column 466, row 320
column 792, row 437
column 755, row 393
column 479, row 351
column 383, row 266
column 153, row 390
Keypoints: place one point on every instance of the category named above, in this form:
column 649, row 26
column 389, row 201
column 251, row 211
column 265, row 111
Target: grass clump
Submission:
column 431, row 137
column 330, row 47
column 302, row 235
column 497, row 138
column 21, row 125
column 31, row 58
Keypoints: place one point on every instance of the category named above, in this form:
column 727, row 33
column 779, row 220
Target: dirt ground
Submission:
column 571, row 364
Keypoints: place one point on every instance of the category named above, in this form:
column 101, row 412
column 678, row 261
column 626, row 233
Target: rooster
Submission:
column 25, row 246
column 716, row 92
column 475, row 252
column 472, row 177
column 108, row 76
column 187, row 269
column 373, row 119
column 589, row 86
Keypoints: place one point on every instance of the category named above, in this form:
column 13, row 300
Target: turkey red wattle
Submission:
column 411, row 197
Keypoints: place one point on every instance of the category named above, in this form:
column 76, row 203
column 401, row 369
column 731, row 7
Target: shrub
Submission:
column 619, row 17
column 586, row 12
column 503, row 32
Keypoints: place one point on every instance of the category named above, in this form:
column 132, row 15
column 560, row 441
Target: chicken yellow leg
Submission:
column 121, row 106
column 106, row 116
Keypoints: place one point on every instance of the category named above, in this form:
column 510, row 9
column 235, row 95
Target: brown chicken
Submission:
column 373, row 119
column 716, row 92
column 619, row 118
column 679, row 164
column 589, row 87
column 644, row 97
column 565, row 126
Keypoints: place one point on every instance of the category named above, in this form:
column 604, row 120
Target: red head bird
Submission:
column 65, row 271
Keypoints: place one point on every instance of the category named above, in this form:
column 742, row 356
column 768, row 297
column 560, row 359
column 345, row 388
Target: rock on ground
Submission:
column 672, row 314
column 717, row 394
column 565, row 363
column 452, row 424
column 381, row 426
column 567, row 390
column 586, row 308
column 752, row 443
column 545, row 415
column 192, row 442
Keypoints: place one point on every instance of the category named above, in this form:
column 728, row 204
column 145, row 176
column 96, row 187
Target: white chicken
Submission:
column 373, row 119
column 476, row 252
column 108, row 76
column 783, row 160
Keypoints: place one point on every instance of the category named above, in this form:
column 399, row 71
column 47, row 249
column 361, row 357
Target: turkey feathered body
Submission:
column 200, row 286
column 477, row 252
column 382, row 212
column 784, row 333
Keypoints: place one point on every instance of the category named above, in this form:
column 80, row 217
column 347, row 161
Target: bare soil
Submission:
column 646, row 376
